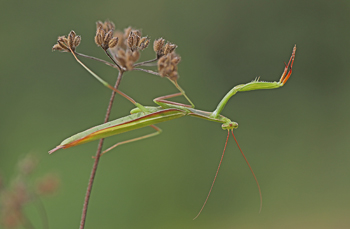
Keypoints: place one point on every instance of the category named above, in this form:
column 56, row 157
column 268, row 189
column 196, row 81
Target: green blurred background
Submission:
column 296, row 138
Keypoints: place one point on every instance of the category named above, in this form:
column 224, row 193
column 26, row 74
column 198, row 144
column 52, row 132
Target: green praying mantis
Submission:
column 143, row 116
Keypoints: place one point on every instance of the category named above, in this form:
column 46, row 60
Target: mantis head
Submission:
column 229, row 125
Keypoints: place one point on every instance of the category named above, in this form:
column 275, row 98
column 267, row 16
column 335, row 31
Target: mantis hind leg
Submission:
column 158, row 131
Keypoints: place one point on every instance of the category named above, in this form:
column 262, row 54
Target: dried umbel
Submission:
column 127, row 58
column 104, row 35
column 123, row 48
column 127, row 51
column 106, row 26
column 136, row 42
column 122, row 37
column 66, row 44
column 161, row 49
column 167, row 66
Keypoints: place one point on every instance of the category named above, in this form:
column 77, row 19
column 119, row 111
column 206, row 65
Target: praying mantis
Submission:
column 143, row 116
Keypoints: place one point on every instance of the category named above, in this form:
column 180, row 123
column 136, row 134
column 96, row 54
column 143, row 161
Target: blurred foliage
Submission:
column 22, row 194
column 296, row 138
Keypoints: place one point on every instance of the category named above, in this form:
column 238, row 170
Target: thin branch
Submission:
column 97, row 157
column 146, row 70
column 97, row 59
column 145, row 62
column 120, row 68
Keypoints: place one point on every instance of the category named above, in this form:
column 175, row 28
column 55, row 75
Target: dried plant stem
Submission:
column 97, row 157
column 120, row 68
column 146, row 70
column 145, row 62
column 94, row 58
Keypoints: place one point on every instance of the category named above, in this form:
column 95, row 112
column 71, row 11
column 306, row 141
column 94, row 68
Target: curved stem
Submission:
column 97, row 157
column 146, row 70
column 103, row 82
column 145, row 62
column 120, row 68
column 97, row 59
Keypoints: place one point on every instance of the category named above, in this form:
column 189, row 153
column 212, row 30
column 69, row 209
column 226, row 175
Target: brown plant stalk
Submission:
column 97, row 157
column 123, row 50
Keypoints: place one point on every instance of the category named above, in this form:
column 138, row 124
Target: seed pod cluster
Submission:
column 127, row 58
column 136, row 42
column 66, row 44
column 127, row 51
column 161, row 49
column 167, row 66
column 106, row 26
column 124, row 47
column 104, row 35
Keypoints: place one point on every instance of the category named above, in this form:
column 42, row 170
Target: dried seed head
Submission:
column 158, row 45
column 176, row 59
column 120, row 57
column 137, row 40
column 130, row 40
column 98, row 39
column 131, row 58
column 144, row 42
column 127, row 32
column 108, row 36
column 127, row 58
column 106, row 26
column 77, row 40
column 137, row 32
column 162, row 49
column 103, row 38
column 110, row 25
column 167, row 66
column 121, row 53
column 104, row 34
column 58, row 47
column 169, row 48
column 67, row 44
column 71, row 37
column 133, row 40
column 99, row 24
column 113, row 42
